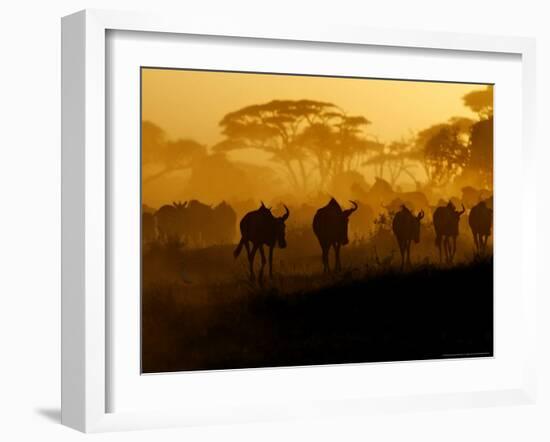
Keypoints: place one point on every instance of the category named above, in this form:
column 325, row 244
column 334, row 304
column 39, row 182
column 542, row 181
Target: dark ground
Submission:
column 430, row 312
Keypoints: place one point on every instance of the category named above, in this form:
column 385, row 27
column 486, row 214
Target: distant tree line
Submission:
column 315, row 142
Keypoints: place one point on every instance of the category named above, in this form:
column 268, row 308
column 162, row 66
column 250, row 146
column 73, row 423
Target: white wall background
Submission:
column 30, row 216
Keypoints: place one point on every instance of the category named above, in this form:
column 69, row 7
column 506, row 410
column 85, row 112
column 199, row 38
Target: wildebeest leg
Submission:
column 325, row 249
column 271, row 262
column 251, row 257
column 476, row 242
column 402, row 251
column 409, row 253
column 484, row 239
column 449, row 249
column 337, row 264
column 452, row 248
column 480, row 246
column 262, row 255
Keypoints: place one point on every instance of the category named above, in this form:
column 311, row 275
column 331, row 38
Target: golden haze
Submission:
column 189, row 105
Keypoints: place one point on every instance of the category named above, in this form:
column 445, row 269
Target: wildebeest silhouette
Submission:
column 330, row 225
column 446, row 221
column 471, row 196
column 148, row 227
column 414, row 200
column 198, row 220
column 380, row 192
column 196, row 223
column 222, row 224
column 170, row 221
column 481, row 221
column 302, row 215
column 406, row 228
column 361, row 222
column 260, row 228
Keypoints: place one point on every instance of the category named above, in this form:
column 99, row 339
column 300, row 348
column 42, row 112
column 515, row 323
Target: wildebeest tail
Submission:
column 237, row 251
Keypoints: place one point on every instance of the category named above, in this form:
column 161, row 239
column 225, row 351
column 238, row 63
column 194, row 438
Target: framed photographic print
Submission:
column 260, row 224
column 315, row 274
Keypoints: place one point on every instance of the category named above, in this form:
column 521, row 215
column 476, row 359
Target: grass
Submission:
column 363, row 314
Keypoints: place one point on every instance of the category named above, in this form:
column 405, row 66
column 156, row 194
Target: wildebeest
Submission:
column 198, row 220
column 302, row 216
column 380, row 192
column 471, row 196
column 415, row 200
column 260, row 228
column 406, row 228
column 361, row 222
column 481, row 220
column 446, row 221
column 148, row 228
column 196, row 223
column 223, row 223
column 330, row 225
column 170, row 221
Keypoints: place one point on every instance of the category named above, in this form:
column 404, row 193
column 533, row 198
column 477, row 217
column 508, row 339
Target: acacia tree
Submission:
column 337, row 145
column 274, row 127
column 445, row 155
column 161, row 156
column 480, row 166
column 480, row 102
column 443, row 150
column 304, row 136
column 152, row 138
column 457, row 149
column 319, row 141
column 395, row 158
column 352, row 143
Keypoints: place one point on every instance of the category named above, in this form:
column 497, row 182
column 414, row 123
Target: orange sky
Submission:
column 189, row 104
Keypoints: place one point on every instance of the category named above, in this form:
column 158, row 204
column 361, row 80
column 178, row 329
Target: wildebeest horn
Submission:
column 420, row 214
column 462, row 211
column 348, row 212
column 262, row 204
column 287, row 213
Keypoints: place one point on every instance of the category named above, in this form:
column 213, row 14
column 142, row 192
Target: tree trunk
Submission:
column 303, row 175
column 292, row 174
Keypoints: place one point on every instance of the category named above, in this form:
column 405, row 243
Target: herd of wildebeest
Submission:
column 200, row 224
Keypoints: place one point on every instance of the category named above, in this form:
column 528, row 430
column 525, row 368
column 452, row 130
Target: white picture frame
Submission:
column 85, row 206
